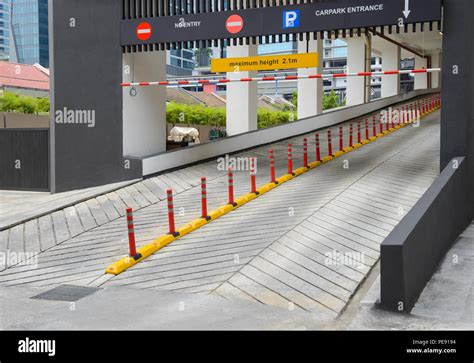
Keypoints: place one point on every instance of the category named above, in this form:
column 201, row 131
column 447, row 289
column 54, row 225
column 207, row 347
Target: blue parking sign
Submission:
column 291, row 19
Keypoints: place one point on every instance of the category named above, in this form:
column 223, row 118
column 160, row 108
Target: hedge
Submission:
column 201, row 115
column 11, row 102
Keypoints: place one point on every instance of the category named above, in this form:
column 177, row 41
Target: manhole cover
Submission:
column 66, row 293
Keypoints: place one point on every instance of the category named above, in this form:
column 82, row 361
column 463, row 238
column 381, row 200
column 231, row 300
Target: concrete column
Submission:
column 391, row 54
column 359, row 52
column 421, row 79
column 144, row 115
column 310, row 91
column 241, row 97
column 436, row 76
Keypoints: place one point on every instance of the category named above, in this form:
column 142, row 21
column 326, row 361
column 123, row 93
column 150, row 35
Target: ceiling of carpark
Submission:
column 424, row 42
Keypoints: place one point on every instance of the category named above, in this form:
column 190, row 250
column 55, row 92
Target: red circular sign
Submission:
column 144, row 31
column 234, row 24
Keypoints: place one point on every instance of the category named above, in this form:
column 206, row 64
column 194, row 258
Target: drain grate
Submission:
column 66, row 293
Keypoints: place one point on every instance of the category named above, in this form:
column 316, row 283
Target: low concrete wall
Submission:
column 13, row 120
column 180, row 157
column 411, row 253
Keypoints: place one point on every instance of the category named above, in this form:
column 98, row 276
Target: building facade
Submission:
column 4, row 29
column 29, row 32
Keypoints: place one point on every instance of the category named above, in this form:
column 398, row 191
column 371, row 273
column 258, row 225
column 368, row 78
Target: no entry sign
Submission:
column 234, row 24
column 144, row 31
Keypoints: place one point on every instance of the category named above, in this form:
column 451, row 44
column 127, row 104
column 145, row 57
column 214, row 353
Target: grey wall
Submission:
column 413, row 250
column 411, row 253
column 457, row 116
column 86, row 72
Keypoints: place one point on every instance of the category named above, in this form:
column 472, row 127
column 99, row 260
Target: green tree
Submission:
column 27, row 104
column 42, row 104
column 8, row 102
column 330, row 101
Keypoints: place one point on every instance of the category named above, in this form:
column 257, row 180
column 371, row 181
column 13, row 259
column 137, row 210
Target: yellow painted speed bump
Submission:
column 157, row 244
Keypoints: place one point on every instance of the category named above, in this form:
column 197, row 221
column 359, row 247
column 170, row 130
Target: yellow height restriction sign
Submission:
column 265, row 63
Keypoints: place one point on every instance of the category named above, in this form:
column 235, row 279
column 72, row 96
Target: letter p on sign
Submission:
column 291, row 19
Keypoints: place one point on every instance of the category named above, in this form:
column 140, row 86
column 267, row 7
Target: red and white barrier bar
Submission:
column 280, row 78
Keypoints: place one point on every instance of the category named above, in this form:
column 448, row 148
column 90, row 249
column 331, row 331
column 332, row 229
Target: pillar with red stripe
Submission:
column 272, row 167
column 172, row 227
column 341, row 138
column 253, row 177
column 204, row 199
column 305, row 152
column 351, row 138
column 290, row 159
column 318, row 147
column 131, row 235
column 231, row 187
column 329, row 143
column 359, row 137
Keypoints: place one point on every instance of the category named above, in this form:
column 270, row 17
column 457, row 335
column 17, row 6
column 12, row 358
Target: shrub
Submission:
column 201, row 115
column 329, row 101
column 10, row 102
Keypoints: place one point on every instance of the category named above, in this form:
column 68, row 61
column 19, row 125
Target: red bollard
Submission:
column 351, row 131
column 374, row 126
column 391, row 117
column 359, row 138
column 131, row 235
column 366, row 129
column 231, row 187
column 341, row 138
column 253, row 177
column 172, row 228
column 329, row 143
column 272, row 167
column 204, row 199
column 290, row 160
column 318, row 149
column 305, row 152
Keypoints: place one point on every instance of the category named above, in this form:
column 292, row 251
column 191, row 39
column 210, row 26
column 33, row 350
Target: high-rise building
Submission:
column 4, row 29
column 29, row 30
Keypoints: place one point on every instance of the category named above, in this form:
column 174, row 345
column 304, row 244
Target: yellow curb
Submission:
column 348, row 149
column 365, row 142
column 373, row 138
column 326, row 159
column 314, row 164
column 338, row 153
column 381, row 135
column 356, row 146
column 284, row 178
column 300, row 171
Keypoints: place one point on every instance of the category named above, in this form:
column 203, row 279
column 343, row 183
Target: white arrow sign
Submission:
column 407, row 10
